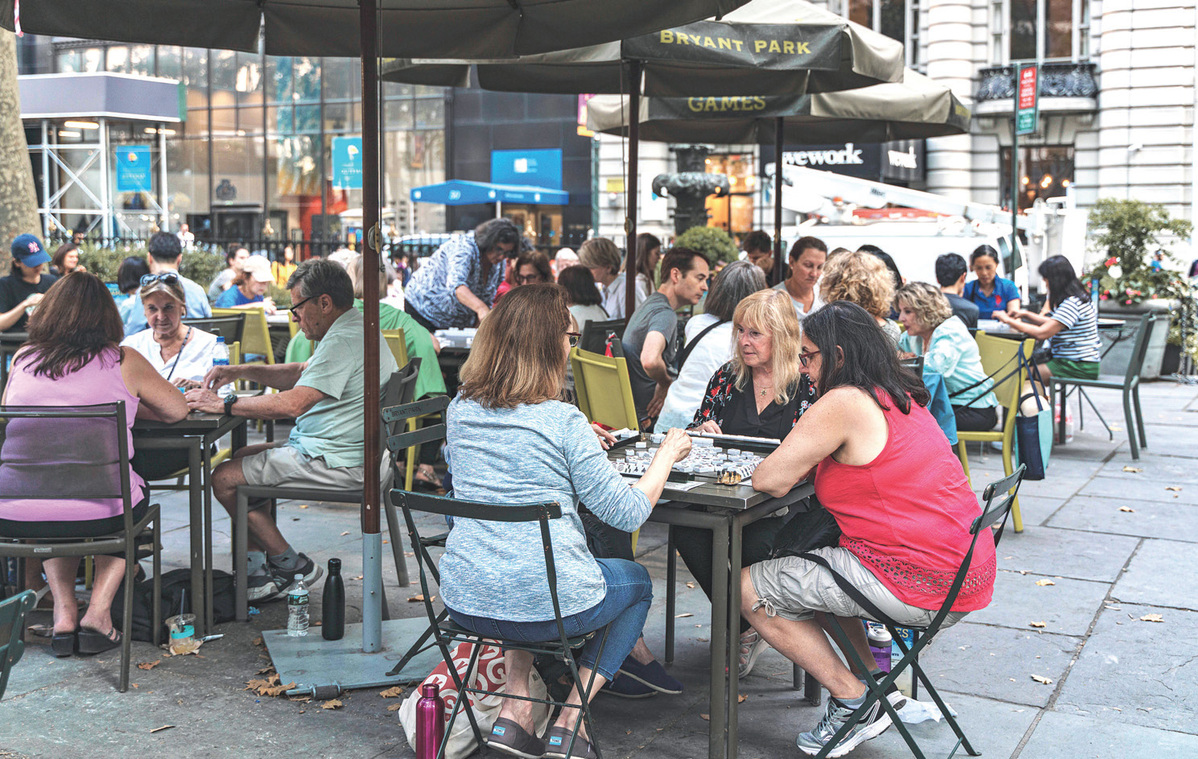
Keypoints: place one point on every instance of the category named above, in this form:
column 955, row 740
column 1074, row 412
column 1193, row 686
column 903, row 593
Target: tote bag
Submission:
column 1033, row 429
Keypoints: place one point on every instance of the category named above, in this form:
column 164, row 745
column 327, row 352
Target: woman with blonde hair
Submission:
column 948, row 349
column 761, row 392
column 603, row 258
column 860, row 277
column 510, row 440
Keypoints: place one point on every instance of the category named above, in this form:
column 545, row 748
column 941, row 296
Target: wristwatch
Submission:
column 230, row 399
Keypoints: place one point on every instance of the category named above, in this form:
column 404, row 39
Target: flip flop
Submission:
column 64, row 644
column 93, row 642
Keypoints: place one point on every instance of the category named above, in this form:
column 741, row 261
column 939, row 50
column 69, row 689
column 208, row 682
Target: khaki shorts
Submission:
column 284, row 466
column 795, row 588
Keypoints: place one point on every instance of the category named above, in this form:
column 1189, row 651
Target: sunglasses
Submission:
column 805, row 358
column 530, row 279
column 166, row 277
column 574, row 338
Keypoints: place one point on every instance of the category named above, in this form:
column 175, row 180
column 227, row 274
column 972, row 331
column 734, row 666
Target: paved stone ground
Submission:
column 1120, row 687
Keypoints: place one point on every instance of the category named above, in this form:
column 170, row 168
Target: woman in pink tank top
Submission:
column 886, row 472
column 73, row 359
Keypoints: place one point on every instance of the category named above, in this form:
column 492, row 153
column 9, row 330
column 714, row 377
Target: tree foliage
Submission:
column 715, row 244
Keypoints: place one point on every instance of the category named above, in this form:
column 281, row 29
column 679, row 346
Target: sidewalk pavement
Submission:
column 1115, row 538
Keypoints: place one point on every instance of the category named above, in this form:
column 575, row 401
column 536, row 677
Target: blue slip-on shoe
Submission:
column 652, row 675
column 626, row 687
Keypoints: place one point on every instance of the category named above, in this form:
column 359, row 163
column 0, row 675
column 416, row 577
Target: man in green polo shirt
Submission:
column 324, row 395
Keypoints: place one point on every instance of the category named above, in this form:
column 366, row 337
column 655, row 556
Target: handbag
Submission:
column 488, row 674
column 806, row 531
column 1033, row 429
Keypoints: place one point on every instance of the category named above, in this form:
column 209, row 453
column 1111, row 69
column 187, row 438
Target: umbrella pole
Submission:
column 372, row 564
column 779, row 264
column 634, row 139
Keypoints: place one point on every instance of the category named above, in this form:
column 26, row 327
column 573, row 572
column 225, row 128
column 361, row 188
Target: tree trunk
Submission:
column 18, row 201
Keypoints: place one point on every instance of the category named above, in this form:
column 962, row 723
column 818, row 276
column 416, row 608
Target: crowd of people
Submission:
column 812, row 361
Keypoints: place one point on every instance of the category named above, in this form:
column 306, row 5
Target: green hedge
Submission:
column 197, row 265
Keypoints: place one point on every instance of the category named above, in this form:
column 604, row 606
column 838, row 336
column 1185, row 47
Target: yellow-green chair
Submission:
column 256, row 337
column 396, row 341
column 605, row 394
column 999, row 360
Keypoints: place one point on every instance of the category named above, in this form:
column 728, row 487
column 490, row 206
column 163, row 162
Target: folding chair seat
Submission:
column 12, row 629
column 998, row 497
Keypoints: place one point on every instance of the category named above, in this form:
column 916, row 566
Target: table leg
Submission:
column 206, row 451
column 734, row 564
column 195, row 487
column 719, row 640
column 671, row 593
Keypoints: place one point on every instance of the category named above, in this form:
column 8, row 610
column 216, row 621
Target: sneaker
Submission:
column 284, row 578
column 625, row 687
column 751, row 646
column 651, row 675
column 872, row 725
column 262, row 588
column 896, row 699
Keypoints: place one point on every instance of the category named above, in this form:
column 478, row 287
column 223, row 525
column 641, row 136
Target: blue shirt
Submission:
column 134, row 316
column 235, row 297
column 529, row 454
column 456, row 263
column 1005, row 291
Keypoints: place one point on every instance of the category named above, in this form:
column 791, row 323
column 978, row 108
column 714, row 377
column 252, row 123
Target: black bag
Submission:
column 176, row 591
column 806, row 531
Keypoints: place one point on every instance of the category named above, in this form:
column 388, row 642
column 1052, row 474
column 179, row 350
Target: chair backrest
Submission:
column 396, row 341
column 1140, row 348
column 594, row 334
column 12, row 627
column 231, row 328
column 255, row 339
column 914, row 364
column 395, row 416
column 996, row 512
column 604, row 390
column 1000, row 360
column 234, row 353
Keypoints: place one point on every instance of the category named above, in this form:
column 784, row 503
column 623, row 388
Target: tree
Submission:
column 18, row 201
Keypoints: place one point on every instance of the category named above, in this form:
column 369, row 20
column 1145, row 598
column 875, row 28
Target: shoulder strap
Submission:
column 686, row 350
column 982, row 381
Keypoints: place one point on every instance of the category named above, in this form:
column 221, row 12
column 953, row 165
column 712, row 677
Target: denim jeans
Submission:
column 625, row 606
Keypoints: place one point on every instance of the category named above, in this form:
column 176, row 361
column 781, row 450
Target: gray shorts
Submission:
column 795, row 588
column 284, row 466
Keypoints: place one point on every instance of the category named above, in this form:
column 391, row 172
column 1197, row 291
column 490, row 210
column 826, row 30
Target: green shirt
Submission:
column 333, row 427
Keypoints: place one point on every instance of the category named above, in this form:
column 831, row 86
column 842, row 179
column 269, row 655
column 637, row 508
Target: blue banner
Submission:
column 134, row 169
column 536, row 168
column 347, row 163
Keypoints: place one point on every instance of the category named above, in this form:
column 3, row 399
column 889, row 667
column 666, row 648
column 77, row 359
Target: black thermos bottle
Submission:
column 332, row 612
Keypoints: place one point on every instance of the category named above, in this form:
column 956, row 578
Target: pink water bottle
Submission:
column 430, row 724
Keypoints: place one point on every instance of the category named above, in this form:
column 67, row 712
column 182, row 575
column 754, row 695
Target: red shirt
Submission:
column 906, row 515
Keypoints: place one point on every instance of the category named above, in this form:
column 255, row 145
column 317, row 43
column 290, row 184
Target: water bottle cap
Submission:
column 298, row 576
column 334, row 565
column 428, row 690
column 220, row 338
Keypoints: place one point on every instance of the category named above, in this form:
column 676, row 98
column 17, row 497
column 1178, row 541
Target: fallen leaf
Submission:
column 1042, row 679
column 690, row 585
column 149, row 664
column 395, row 692
column 257, row 641
column 304, row 505
column 345, row 533
column 300, row 699
column 395, row 707
column 1127, row 509
column 269, row 687
column 1037, row 624
column 408, row 554
column 359, row 577
column 418, row 598
column 1132, row 469
column 266, row 670
column 1042, row 583
column 135, row 685
column 1173, row 488
column 1152, row 618
column 332, row 704
column 160, row 729
column 705, row 717
column 683, row 615
column 741, row 698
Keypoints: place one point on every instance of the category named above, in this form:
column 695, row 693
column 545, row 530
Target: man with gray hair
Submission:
column 324, row 395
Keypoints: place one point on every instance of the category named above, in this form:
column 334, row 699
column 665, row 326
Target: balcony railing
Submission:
column 1057, row 80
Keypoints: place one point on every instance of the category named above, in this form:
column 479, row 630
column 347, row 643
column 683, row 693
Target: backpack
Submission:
column 176, row 599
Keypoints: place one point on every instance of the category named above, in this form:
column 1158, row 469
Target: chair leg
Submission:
column 1135, row 399
column 963, row 457
column 127, row 611
column 240, row 552
column 671, row 593
column 156, row 602
column 401, row 565
column 1130, row 421
column 1008, row 466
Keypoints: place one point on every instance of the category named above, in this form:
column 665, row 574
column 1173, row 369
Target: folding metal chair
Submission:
column 12, row 628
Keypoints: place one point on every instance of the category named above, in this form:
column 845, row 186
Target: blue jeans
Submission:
column 625, row 606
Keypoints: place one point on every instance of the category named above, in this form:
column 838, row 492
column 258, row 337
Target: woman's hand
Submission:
column 32, row 300
column 1003, row 317
column 711, row 426
column 606, row 439
column 186, row 384
column 675, row 447
column 905, row 356
column 268, row 305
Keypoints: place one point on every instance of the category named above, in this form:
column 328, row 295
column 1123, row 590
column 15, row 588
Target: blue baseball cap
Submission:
column 29, row 251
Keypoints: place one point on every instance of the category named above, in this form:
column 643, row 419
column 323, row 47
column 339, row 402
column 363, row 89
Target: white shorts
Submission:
column 284, row 466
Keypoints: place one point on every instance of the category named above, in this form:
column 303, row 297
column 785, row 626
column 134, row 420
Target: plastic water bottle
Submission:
column 879, row 644
column 297, row 608
column 430, row 725
column 220, row 357
column 332, row 604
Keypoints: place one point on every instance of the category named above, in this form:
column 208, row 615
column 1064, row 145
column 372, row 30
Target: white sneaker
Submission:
column 873, row 725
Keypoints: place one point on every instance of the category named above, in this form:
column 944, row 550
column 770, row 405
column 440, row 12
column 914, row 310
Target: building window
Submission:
column 733, row 213
column 1045, row 172
column 1046, row 30
column 897, row 19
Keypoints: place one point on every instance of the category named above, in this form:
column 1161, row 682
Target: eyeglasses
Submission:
column 805, row 358
column 574, row 338
column 166, row 277
column 295, row 309
column 530, row 279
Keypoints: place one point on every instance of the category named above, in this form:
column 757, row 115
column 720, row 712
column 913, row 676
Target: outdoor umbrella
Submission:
column 914, row 108
column 766, row 47
column 407, row 28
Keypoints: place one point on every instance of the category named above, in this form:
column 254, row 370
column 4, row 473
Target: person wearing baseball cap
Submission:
column 250, row 286
column 24, row 287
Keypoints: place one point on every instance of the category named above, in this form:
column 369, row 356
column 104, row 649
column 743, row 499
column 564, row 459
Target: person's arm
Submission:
column 471, row 301
column 288, row 404
column 943, row 353
column 278, row 376
column 654, row 363
column 711, row 408
column 460, row 259
column 13, row 315
column 158, row 399
column 674, row 448
column 1042, row 331
column 820, row 432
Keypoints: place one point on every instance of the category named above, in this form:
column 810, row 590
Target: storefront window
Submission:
column 734, row 213
column 1045, row 172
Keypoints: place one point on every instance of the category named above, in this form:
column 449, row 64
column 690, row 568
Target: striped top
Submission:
column 1078, row 341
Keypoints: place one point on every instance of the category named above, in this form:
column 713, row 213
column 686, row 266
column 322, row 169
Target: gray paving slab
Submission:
column 1036, row 510
column 1067, row 606
column 998, row 662
column 1135, row 672
column 1148, row 519
column 1068, row 553
column 1071, row 735
column 1154, row 470
column 1151, row 577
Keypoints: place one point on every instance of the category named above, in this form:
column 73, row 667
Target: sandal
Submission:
column 508, row 737
column 93, row 642
column 64, row 644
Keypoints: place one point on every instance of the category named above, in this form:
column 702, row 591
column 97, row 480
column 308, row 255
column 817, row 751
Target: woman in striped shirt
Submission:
column 1071, row 326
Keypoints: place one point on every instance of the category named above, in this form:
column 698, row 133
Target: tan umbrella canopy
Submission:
column 915, row 108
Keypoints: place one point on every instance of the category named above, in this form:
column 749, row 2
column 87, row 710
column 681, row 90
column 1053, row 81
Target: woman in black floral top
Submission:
column 760, row 393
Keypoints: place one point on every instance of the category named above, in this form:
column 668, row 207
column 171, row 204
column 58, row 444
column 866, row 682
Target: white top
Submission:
column 644, row 288
column 686, row 393
column 816, row 304
column 193, row 362
column 584, row 314
column 613, row 298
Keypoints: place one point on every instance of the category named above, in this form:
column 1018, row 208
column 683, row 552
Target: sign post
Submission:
column 1024, row 120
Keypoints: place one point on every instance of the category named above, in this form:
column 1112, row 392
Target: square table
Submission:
column 727, row 509
column 195, row 434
